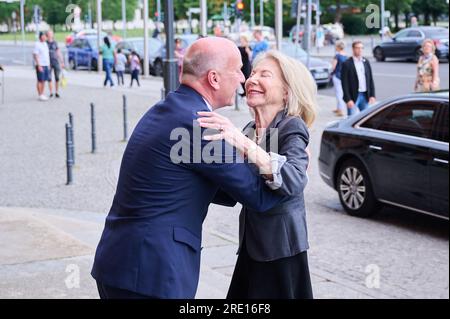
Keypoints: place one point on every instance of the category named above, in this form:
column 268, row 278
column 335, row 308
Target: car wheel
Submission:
column 378, row 53
column 355, row 189
column 94, row 64
column 417, row 54
column 72, row 64
column 158, row 68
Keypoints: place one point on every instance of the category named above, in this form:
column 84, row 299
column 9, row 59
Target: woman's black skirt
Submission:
column 286, row 278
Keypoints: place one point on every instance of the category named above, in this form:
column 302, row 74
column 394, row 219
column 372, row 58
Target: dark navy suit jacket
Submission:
column 152, row 237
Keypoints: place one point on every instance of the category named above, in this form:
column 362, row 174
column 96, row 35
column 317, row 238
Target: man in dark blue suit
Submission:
column 150, row 247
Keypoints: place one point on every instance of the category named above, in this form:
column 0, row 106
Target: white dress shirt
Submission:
column 207, row 104
column 361, row 72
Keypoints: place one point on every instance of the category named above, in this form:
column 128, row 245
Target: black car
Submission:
column 394, row 153
column 407, row 44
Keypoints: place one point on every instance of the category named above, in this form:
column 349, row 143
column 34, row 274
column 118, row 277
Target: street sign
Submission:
column 37, row 14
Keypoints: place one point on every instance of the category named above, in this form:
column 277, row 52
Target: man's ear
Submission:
column 213, row 79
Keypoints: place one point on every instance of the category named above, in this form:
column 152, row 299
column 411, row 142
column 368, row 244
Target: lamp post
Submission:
column 203, row 18
column 252, row 14
column 170, row 63
column 307, row 36
column 382, row 20
column 124, row 19
column 22, row 25
column 146, row 59
column 261, row 12
column 99, row 30
column 279, row 22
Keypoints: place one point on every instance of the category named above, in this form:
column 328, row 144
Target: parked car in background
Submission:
column 335, row 30
column 186, row 39
column 83, row 52
column 293, row 33
column 394, row 153
column 154, row 57
column 267, row 32
column 89, row 33
column 320, row 69
column 407, row 44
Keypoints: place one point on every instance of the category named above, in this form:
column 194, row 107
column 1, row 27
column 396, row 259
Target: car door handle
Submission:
column 375, row 148
column 438, row 160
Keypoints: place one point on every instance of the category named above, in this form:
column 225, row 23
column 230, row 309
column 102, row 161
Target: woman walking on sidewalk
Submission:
column 427, row 69
column 339, row 58
column 121, row 61
column 135, row 68
column 109, row 57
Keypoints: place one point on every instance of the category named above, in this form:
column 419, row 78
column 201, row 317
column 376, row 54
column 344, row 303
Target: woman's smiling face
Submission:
column 265, row 86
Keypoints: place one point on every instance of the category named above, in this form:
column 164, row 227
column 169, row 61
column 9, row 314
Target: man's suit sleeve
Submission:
column 238, row 179
column 345, row 82
column 371, row 82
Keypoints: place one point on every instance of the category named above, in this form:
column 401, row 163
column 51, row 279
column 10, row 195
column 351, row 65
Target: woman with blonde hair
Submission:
column 427, row 79
column 338, row 60
column 273, row 245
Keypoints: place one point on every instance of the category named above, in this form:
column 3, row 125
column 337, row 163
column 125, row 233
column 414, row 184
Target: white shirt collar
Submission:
column 361, row 59
column 207, row 104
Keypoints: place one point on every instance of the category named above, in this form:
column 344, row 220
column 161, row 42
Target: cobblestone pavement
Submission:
column 50, row 230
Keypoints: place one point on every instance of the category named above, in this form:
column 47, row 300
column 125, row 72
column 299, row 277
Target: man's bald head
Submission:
column 206, row 54
column 212, row 67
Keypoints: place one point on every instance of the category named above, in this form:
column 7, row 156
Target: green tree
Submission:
column 112, row 9
column 6, row 10
column 430, row 9
column 398, row 7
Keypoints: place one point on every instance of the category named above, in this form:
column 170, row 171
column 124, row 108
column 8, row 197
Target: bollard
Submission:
column 125, row 127
column 93, row 134
column 163, row 94
column 72, row 138
column 69, row 161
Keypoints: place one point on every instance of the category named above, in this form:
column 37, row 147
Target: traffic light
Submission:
column 239, row 8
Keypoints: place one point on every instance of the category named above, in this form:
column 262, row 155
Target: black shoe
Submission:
column 57, row 95
column 51, row 95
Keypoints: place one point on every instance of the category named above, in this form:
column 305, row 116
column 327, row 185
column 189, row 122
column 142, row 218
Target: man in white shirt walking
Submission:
column 41, row 57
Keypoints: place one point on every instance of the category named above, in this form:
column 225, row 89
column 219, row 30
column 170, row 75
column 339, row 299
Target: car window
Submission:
column 293, row 50
column 402, row 34
column 442, row 124
column 410, row 118
column 437, row 33
column 119, row 46
column 76, row 43
column 127, row 46
column 414, row 34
